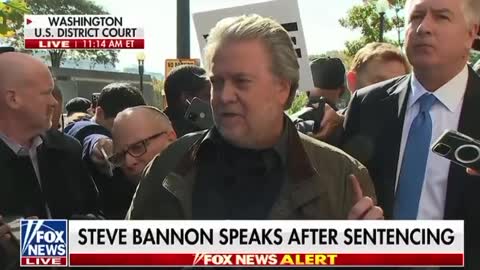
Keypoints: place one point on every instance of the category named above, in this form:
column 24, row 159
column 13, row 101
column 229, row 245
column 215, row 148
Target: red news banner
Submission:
column 82, row 32
column 95, row 44
column 266, row 243
column 312, row 259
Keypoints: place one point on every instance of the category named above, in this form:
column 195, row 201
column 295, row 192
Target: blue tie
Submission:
column 414, row 163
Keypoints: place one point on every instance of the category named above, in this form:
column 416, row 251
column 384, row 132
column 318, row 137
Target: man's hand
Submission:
column 330, row 122
column 473, row 172
column 99, row 158
column 364, row 207
column 5, row 231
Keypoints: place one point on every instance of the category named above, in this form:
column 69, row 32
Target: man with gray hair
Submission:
column 390, row 126
column 253, row 164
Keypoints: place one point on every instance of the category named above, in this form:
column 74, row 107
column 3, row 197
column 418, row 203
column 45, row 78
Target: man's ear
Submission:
column 352, row 81
column 12, row 99
column 172, row 136
column 473, row 33
column 284, row 90
column 99, row 113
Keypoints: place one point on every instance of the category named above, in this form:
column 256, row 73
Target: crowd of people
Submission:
column 120, row 158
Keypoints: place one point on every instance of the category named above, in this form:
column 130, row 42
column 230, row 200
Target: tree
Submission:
column 367, row 19
column 474, row 57
column 69, row 7
column 300, row 100
column 158, row 93
column 11, row 17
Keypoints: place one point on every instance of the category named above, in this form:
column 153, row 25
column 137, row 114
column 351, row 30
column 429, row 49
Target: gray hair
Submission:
column 471, row 11
column 275, row 37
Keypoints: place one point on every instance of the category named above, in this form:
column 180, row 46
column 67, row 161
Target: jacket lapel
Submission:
column 181, row 180
column 458, row 181
column 300, row 190
column 181, row 187
column 393, row 108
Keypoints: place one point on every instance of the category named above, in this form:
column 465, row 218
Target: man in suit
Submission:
column 252, row 164
column 95, row 136
column 390, row 126
column 41, row 171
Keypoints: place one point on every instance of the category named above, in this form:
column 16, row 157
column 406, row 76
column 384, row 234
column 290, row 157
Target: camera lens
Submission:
column 442, row 149
column 192, row 117
column 468, row 153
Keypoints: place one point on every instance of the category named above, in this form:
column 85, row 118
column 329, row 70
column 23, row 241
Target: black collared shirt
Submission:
column 237, row 183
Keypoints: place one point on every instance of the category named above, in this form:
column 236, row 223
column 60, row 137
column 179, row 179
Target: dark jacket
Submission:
column 373, row 133
column 318, row 186
column 66, row 185
column 115, row 191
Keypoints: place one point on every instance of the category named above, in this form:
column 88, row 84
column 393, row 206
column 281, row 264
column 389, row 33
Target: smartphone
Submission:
column 95, row 100
column 199, row 113
column 459, row 148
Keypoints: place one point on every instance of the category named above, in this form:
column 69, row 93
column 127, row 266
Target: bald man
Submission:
column 41, row 173
column 139, row 134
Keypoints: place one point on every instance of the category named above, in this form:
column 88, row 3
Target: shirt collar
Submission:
column 19, row 149
column 214, row 138
column 450, row 94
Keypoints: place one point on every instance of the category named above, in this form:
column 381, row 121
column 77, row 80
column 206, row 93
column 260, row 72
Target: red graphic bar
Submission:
column 266, row 259
column 93, row 44
column 43, row 260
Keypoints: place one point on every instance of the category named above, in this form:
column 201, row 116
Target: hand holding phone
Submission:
column 199, row 113
column 459, row 148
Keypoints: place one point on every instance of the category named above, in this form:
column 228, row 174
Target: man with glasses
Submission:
column 96, row 139
column 139, row 134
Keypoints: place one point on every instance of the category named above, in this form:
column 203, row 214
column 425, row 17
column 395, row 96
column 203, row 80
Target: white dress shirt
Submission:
column 445, row 114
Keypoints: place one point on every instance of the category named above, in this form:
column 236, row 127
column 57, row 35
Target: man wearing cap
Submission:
column 77, row 105
column 329, row 80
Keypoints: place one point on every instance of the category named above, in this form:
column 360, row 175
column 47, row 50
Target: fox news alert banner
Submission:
column 285, row 12
column 99, row 32
column 242, row 243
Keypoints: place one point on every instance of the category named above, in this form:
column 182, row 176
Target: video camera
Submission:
column 312, row 112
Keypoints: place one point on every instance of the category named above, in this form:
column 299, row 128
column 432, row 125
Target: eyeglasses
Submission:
column 135, row 150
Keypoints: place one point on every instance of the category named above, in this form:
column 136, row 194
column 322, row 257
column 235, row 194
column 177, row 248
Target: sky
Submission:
column 319, row 19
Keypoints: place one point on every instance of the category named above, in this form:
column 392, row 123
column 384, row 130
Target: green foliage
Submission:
column 158, row 94
column 474, row 57
column 11, row 17
column 299, row 102
column 68, row 7
column 365, row 18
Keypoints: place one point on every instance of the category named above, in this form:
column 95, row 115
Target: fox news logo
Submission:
column 43, row 243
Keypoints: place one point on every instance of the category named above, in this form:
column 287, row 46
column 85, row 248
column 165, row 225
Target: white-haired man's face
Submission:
column 437, row 33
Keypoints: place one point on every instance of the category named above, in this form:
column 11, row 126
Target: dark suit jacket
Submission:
column 66, row 186
column 373, row 133
column 317, row 186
